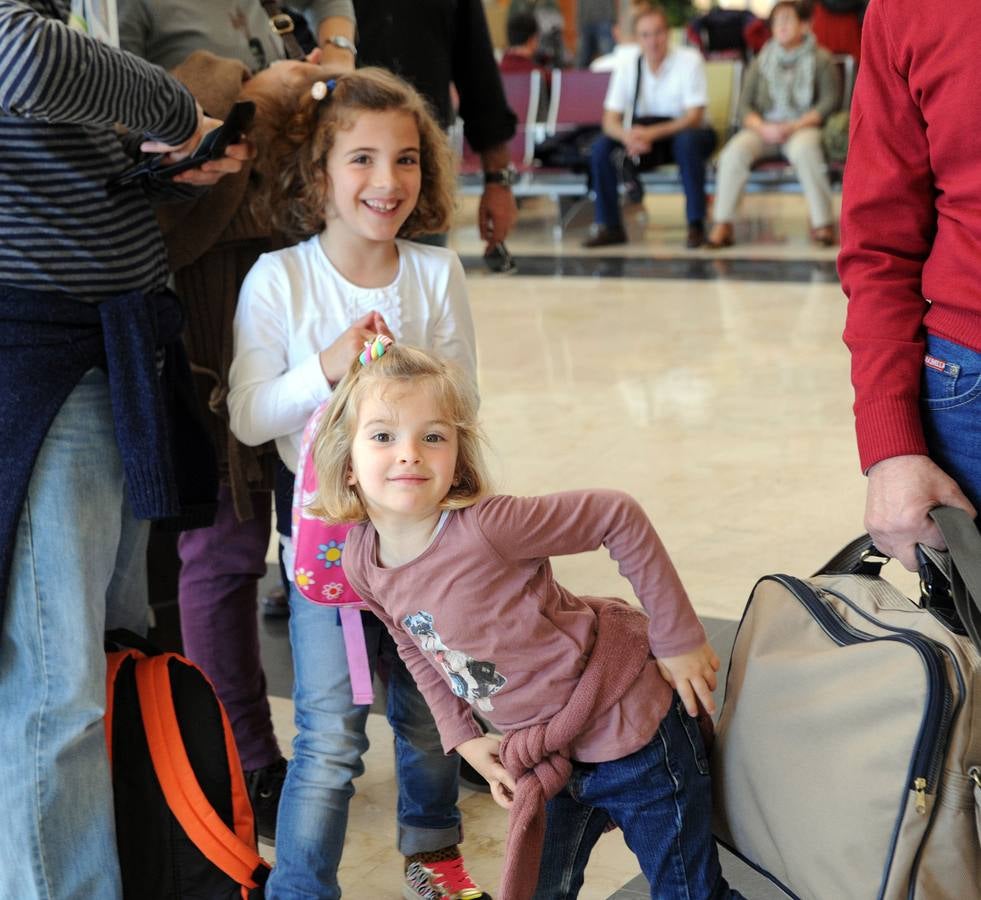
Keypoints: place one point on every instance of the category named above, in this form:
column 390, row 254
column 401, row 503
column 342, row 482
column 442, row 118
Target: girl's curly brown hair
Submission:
column 295, row 134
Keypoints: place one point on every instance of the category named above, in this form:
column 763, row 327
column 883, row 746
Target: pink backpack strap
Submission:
column 357, row 655
column 317, row 571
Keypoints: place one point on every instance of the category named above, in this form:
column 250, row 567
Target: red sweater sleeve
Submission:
column 888, row 225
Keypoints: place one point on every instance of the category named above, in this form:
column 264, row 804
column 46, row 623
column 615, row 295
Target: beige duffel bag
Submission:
column 847, row 762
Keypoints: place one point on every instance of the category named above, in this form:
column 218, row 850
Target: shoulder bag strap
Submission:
column 282, row 25
column 114, row 662
column 964, row 546
column 232, row 851
column 633, row 108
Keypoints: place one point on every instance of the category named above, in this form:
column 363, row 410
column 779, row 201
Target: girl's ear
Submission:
column 350, row 477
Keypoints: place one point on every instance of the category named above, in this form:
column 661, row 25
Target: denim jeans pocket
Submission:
column 694, row 736
column 951, row 375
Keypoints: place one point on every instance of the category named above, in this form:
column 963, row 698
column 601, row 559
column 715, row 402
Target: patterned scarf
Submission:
column 789, row 75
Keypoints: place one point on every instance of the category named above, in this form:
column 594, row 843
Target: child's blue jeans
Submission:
column 660, row 797
column 327, row 757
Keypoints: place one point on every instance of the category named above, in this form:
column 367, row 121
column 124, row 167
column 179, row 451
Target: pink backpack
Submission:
column 317, row 573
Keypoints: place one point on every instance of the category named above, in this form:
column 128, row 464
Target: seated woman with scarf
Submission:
column 790, row 89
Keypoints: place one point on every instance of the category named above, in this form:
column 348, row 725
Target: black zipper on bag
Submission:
column 931, row 742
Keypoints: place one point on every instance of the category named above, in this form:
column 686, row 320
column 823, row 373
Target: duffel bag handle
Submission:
column 963, row 540
column 860, row 557
column 964, row 546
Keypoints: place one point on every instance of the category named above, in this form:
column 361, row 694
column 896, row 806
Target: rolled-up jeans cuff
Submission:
column 412, row 839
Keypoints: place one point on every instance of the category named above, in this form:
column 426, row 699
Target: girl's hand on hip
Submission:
column 336, row 359
column 482, row 754
column 692, row 675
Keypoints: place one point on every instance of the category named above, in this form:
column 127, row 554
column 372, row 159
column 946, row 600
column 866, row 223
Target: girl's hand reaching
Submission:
column 482, row 754
column 336, row 359
column 692, row 675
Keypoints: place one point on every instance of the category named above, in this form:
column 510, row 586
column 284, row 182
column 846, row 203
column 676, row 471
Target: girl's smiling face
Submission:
column 375, row 176
column 404, row 454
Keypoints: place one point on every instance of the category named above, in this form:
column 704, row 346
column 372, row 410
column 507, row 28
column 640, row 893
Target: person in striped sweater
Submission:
column 90, row 367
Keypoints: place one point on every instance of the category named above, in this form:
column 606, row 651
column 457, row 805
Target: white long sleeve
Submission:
column 294, row 303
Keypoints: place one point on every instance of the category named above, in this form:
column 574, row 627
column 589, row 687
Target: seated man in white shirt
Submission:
column 652, row 115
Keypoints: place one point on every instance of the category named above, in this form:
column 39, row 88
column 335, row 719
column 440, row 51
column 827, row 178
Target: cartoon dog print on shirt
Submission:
column 476, row 681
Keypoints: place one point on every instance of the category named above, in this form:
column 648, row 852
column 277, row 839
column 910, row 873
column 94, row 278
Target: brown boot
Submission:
column 720, row 236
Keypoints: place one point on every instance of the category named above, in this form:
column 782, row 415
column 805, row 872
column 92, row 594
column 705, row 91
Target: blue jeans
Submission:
column 689, row 149
column 327, row 755
column 79, row 567
column 660, row 797
column 951, row 413
column 595, row 39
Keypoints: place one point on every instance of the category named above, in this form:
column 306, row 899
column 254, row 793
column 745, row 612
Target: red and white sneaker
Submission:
column 439, row 876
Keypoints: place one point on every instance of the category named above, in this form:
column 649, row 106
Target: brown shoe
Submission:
column 605, row 237
column 720, row 236
column 696, row 235
column 823, row 236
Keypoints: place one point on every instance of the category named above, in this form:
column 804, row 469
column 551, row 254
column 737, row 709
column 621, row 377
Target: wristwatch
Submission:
column 506, row 177
column 338, row 40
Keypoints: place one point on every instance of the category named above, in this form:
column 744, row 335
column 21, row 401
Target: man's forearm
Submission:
column 663, row 130
column 495, row 158
column 336, row 26
column 613, row 126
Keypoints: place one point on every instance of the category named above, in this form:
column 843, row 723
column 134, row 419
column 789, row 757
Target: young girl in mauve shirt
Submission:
column 597, row 699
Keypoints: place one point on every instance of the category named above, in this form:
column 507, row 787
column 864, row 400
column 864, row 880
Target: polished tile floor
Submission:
column 712, row 386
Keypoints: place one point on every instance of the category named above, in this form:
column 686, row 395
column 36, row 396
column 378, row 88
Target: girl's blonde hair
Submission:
column 401, row 366
column 296, row 134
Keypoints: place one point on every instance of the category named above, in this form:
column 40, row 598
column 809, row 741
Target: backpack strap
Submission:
column 232, row 851
column 114, row 662
column 357, row 655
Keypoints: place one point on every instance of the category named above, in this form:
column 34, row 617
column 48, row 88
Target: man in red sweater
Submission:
column 910, row 264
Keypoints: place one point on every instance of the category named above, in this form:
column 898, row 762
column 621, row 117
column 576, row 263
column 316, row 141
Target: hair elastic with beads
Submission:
column 322, row 89
column 374, row 349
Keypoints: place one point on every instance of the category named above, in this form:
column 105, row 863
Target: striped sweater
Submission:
column 60, row 95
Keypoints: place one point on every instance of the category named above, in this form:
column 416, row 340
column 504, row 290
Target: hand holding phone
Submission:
column 212, row 146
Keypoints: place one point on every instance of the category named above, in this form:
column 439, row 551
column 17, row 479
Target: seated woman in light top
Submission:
column 790, row 89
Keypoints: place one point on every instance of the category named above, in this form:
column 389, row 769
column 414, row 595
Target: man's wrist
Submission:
column 505, row 177
column 342, row 43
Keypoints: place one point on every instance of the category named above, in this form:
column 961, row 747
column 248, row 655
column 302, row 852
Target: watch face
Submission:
column 340, row 41
column 507, row 176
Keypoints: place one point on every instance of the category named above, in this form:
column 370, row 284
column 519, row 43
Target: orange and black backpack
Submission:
column 184, row 825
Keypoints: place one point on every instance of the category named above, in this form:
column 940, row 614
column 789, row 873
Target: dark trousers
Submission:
column 220, row 571
column 689, row 149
